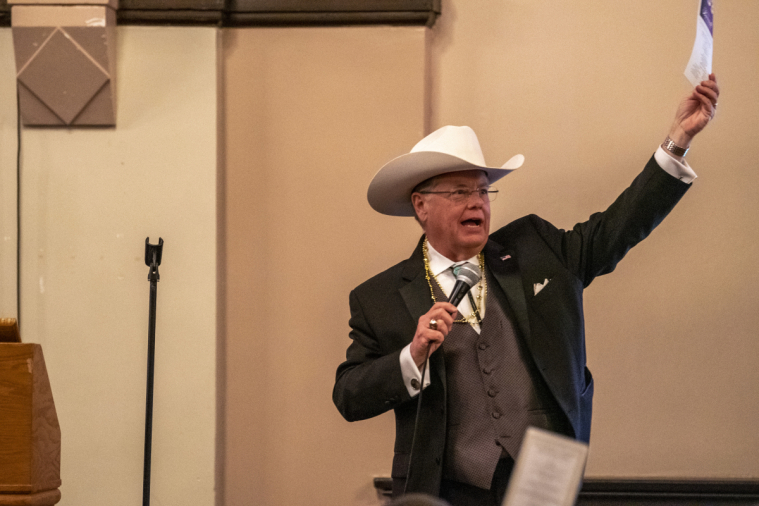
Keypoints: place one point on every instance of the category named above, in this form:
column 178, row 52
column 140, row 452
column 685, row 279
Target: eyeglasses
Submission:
column 487, row 194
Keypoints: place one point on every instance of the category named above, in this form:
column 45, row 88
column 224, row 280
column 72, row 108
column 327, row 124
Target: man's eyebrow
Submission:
column 468, row 185
column 462, row 186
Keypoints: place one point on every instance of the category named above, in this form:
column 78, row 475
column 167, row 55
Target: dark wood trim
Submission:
column 331, row 5
column 630, row 491
column 383, row 486
column 170, row 12
column 661, row 488
column 241, row 13
column 5, row 13
column 175, row 17
column 329, row 18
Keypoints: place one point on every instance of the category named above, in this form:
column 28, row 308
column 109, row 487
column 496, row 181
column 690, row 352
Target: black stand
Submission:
column 153, row 260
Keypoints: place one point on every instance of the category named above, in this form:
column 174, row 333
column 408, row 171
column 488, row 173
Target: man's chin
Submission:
column 475, row 243
column 473, row 235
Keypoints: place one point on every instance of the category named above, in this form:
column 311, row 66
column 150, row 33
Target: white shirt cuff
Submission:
column 674, row 167
column 412, row 376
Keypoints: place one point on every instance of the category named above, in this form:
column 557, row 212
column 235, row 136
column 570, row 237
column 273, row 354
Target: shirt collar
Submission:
column 440, row 263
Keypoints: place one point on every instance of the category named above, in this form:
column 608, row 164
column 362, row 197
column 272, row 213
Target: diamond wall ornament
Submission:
column 65, row 62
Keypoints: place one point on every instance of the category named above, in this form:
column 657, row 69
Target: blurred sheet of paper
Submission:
column 548, row 471
column 700, row 63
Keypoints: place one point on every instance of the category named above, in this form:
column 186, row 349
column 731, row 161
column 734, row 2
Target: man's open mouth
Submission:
column 472, row 222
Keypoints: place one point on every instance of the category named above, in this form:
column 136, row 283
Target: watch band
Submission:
column 673, row 148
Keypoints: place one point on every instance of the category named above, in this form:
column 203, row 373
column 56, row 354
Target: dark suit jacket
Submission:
column 386, row 308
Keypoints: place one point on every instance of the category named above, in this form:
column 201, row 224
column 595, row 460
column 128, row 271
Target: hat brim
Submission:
column 390, row 190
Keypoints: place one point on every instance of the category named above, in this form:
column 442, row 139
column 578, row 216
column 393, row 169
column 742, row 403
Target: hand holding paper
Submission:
column 695, row 112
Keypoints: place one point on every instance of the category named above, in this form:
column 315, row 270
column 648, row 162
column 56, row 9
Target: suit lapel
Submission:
column 505, row 269
column 416, row 292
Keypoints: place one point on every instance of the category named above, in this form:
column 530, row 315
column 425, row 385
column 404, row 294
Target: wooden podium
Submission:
column 30, row 437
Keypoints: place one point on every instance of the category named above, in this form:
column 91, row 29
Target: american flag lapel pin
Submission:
column 505, row 257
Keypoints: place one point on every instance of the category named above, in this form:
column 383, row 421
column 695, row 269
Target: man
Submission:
column 513, row 353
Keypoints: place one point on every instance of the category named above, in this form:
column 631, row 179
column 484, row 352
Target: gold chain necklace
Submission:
column 482, row 286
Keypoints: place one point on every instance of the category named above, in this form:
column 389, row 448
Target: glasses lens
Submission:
column 460, row 195
column 486, row 194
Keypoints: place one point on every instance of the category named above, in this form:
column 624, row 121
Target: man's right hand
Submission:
column 427, row 339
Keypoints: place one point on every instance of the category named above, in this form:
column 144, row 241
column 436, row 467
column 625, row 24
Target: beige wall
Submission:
column 310, row 116
column 89, row 199
column 8, row 187
column 586, row 90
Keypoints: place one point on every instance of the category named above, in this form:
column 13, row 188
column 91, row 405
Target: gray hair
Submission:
column 426, row 185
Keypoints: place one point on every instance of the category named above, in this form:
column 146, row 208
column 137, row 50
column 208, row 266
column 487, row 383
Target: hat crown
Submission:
column 458, row 141
column 447, row 149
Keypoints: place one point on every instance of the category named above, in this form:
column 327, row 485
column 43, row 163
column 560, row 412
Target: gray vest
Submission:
column 494, row 393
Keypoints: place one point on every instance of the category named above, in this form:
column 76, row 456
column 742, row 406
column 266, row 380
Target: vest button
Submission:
column 496, row 415
column 487, row 371
column 492, row 392
column 483, row 346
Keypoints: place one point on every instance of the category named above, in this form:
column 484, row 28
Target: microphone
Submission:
column 467, row 275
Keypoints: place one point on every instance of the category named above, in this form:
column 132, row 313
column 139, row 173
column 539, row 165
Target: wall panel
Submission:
column 90, row 196
column 587, row 90
column 8, row 188
column 311, row 115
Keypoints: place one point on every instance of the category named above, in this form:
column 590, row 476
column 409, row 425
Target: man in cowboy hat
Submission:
column 514, row 349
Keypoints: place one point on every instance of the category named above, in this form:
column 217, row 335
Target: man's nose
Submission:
column 475, row 200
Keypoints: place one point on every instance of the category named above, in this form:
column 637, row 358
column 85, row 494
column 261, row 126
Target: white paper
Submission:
column 548, row 471
column 700, row 63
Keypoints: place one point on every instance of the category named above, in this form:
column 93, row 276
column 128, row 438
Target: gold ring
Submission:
column 433, row 324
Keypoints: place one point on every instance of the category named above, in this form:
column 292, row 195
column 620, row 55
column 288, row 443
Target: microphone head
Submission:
column 467, row 273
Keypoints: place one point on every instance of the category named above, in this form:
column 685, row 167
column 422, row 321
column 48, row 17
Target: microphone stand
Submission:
column 153, row 255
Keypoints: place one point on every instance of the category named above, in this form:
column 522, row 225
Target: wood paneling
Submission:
column 30, row 437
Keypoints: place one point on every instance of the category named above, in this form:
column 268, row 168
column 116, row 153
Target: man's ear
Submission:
column 420, row 207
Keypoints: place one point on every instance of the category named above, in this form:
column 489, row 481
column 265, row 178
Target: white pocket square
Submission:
column 540, row 286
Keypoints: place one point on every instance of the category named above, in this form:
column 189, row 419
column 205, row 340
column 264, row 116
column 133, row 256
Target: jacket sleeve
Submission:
column 370, row 381
column 594, row 247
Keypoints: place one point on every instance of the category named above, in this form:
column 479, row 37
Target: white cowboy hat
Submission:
column 447, row 149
